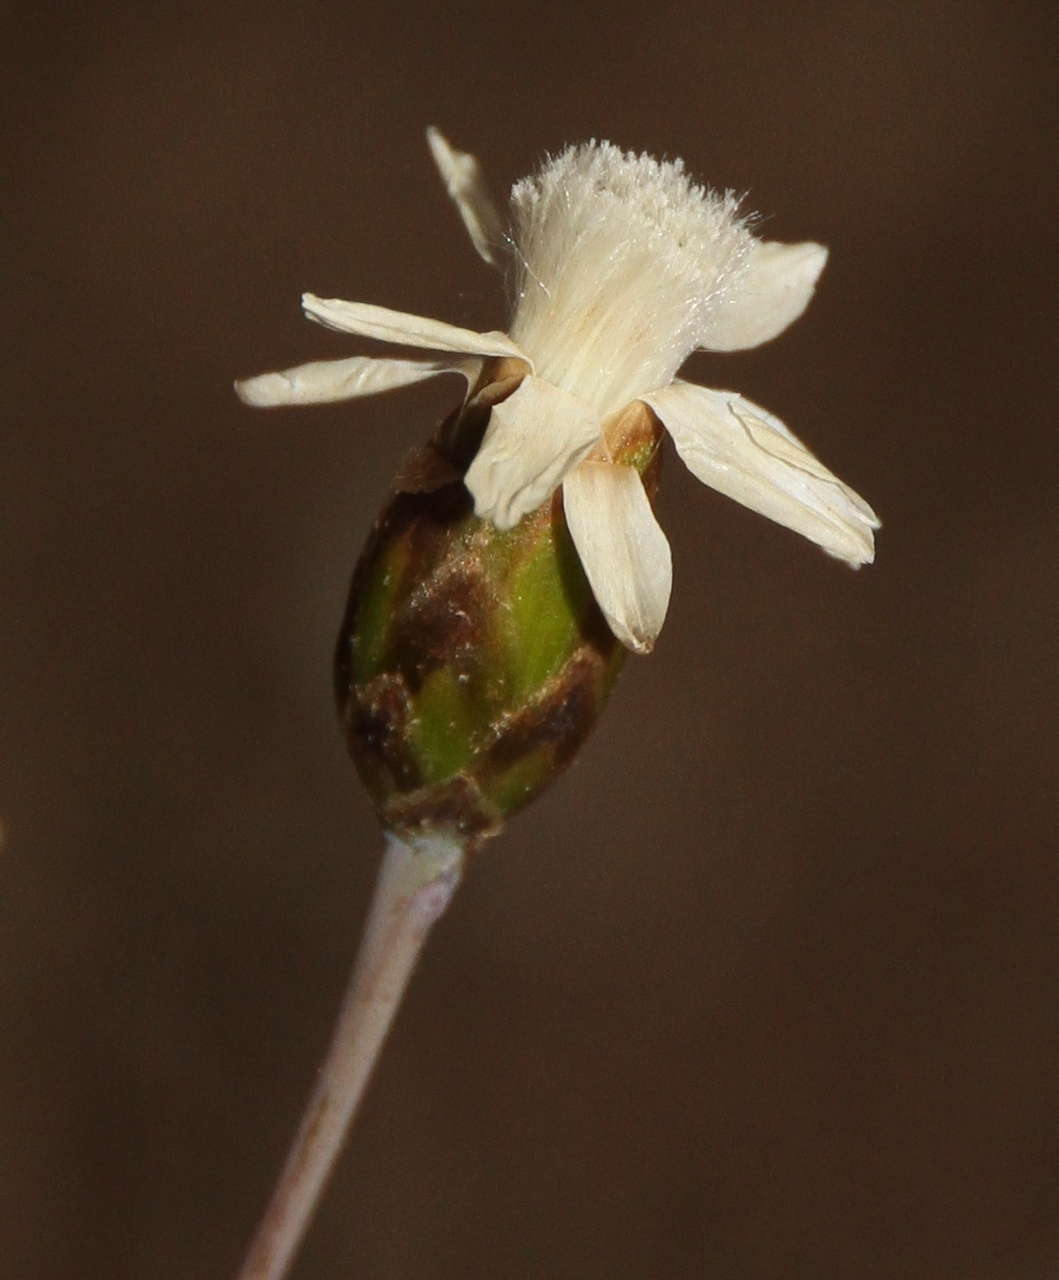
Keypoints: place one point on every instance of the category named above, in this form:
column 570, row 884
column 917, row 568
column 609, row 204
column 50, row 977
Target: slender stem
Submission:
column 415, row 885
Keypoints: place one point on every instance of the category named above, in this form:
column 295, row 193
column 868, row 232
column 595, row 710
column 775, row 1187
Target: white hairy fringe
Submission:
column 620, row 260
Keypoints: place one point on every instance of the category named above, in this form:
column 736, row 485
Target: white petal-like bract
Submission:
column 774, row 291
column 369, row 321
column 533, row 439
column 624, row 553
column 466, row 184
column 746, row 453
column 326, row 381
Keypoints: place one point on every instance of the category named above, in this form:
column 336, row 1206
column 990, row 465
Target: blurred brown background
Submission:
column 766, row 987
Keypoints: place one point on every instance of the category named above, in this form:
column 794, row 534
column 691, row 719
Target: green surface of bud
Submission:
column 472, row 662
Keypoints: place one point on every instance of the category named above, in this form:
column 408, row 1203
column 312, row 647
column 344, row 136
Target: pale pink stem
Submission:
column 416, row 883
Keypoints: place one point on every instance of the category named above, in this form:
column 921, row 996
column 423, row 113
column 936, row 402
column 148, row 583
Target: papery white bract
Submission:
column 623, row 267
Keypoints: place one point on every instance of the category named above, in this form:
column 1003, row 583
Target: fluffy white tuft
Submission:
column 621, row 262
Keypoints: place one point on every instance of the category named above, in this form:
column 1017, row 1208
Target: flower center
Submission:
column 620, row 260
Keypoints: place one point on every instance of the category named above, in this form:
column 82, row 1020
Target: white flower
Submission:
column 623, row 267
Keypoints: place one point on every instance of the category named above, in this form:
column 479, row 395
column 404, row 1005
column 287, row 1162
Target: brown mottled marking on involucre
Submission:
column 456, row 805
column 377, row 718
column 443, row 626
column 562, row 718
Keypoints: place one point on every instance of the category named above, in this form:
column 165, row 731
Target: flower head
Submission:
column 623, row 267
